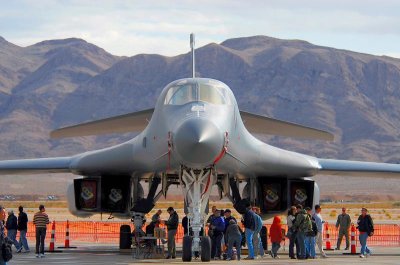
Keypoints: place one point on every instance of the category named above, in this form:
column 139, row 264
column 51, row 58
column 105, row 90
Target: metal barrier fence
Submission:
column 108, row 232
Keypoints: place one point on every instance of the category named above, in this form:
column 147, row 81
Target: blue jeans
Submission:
column 310, row 246
column 300, row 237
column 275, row 247
column 22, row 239
column 12, row 235
column 363, row 241
column 249, row 240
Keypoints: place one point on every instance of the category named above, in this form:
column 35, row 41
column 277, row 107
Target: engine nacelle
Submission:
column 105, row 194
column 275, row 195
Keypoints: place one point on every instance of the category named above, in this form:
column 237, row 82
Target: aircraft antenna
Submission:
column 192, row 49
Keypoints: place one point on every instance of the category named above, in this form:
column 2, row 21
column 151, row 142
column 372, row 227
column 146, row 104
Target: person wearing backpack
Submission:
column 301, row 226
column 310, row 235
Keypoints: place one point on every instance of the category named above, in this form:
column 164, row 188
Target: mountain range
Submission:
column 56, row 83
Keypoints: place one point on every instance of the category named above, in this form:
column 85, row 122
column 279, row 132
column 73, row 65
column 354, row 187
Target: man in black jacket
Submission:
column 172, row 225
column 23, row 228
column 11, row 226
column 366, row 228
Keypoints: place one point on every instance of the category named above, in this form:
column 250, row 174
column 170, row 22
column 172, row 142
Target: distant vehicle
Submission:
column 52, row 198
column 195, row 137
column 7, row 198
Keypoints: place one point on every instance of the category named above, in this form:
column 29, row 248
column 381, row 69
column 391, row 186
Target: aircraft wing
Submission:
column 266, row 125
column 132, row 122
column 36, row 166
column 357, row 168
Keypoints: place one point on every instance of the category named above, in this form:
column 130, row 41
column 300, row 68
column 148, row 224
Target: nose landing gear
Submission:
column 196, row 186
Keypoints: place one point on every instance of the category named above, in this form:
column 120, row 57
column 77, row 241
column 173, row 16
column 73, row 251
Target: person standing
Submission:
column 228, row 217
column 366, row 229
column 156, row 218
column 12, row 226
column 257, row 243
column 319, row 222
column 291, row 233
column 3, row 238
column 301, row 226
column 276, row 235
column 233, row 236
column 343, row 224
column 23, row 228
column 40, row 220
column 250, row 227
column 172, row 225
column 310, row 235
column 185, row 225
column 218, row 227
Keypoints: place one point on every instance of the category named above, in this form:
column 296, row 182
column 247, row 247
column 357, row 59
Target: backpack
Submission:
column 306, row 225
column 314, row 228
column 6, row 251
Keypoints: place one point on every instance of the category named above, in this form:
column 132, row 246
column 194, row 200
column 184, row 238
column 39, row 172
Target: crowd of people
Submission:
column 305, row 229
column 9, row 226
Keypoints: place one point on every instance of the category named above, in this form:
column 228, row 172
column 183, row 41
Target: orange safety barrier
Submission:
column 108, row 232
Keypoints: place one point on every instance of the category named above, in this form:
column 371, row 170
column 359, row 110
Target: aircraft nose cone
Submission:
column 198, row 141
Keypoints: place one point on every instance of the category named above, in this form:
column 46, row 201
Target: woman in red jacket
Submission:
column 275, row 232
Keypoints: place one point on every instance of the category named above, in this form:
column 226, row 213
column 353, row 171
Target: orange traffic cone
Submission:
column 53, row 234
column 327, row 242
column 66, row 243
column 353, row 242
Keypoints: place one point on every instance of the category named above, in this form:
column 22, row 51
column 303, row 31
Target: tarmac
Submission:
column 90, row 255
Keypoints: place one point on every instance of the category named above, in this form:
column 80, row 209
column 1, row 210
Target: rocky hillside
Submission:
column 61, row 82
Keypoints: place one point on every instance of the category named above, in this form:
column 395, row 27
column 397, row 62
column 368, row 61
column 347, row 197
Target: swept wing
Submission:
column 132, row 122
column 266, row 125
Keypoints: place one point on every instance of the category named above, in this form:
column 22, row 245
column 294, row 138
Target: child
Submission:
column 276, row 235
column 234, row 237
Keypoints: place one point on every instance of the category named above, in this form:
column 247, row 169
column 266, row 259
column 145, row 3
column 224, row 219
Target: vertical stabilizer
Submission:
column 192, row 49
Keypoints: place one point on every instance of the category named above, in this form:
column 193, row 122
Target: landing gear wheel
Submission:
column 187, row 248
column 205, row 244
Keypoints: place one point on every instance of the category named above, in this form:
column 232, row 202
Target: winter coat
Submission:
column 22, row 221
column 275, row 230
column 233, row 231
column 249, row 220
column 173, row 221
column 365, row 224
column 11, row 223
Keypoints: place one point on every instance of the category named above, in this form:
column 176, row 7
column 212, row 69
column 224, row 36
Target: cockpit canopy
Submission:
column 206, row 90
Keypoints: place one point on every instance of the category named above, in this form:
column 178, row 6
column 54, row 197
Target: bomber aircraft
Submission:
column 195, row 137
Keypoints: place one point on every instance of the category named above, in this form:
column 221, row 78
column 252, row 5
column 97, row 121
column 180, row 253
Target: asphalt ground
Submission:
column 90, row 255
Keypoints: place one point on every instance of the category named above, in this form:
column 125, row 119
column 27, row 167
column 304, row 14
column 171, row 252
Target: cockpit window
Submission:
column 181, row 94
column 207, row 91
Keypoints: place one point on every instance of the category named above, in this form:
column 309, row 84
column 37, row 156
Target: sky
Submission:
column 163, row 27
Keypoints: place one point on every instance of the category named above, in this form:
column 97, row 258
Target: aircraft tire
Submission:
column 187, row 249
column 125, row 241
column 205, row 244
